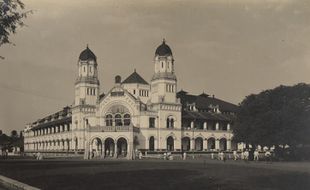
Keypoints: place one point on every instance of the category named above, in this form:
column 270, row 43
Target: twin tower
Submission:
column 163, row 83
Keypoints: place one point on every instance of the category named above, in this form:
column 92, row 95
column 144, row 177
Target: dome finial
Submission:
column 87, row 46
column 134, row 70
column 164, row 40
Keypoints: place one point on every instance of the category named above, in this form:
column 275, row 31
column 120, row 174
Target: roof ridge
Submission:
column 135, row 77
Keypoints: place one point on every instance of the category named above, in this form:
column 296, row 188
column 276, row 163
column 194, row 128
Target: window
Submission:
column 126, row 119
column 118, row 120
column 134, row 91
column 170, row 144
column 170, row 122
column 90, row 69
column 151, row 122
column 152, row 144
column 108, row 120
column 162, row 65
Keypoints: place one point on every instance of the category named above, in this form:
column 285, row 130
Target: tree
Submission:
column 279, row 117
column 11, row 16
column 14, row 134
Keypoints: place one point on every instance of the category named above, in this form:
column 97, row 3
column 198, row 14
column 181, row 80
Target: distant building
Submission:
column 133, row 115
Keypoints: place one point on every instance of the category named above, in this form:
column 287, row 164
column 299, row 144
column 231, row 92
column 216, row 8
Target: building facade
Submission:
column 134, row 115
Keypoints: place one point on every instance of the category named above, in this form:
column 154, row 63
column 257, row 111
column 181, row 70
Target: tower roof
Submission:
column 134, row 78
column 163, row 49
column 87, row 54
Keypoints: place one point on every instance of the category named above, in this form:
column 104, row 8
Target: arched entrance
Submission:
column 96, row 148
column 151, row 143
column 170, row 143
column 223, row 144
column 122, row 147
column 198, row 144
column 211, row 143
column 186, row 144
column 109, row 147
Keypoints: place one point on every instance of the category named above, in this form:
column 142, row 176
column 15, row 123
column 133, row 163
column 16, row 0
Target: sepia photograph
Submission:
column 155, row 94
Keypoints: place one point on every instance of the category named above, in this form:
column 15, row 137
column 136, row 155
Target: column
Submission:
column 192, row 124
column 129, row 150
column 217, row 126
column 192, row 144
column 147, row 146
column 228, row 144
column 155, row 144
column 205, row 125
column 205, row 144
column 115, row 150
column 228, row 126
column 217, row 144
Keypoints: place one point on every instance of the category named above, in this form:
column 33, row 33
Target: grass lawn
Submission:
column 157, row 174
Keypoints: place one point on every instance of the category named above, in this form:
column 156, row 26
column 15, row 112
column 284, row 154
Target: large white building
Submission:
column 133, row 115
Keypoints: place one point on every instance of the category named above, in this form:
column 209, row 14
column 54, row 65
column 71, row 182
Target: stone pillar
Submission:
column 205, row 125
column 129, row 150
column 115, row 149
column 228, row 144
column 228, row 126
column 192, row 144
column 147, row 146
column 192, row 124
column 217, row 126
column 217, row 144
column 155, row 144
column 205, row 144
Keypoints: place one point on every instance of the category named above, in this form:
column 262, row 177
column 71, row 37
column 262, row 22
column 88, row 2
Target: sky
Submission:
column 226, row 48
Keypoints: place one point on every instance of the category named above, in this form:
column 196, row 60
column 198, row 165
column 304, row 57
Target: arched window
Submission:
column 108, row 120
column 170, row 122
column 126, row 119
column 152, row 144
column 118, row 120
column 170, row 143
column 211, row 143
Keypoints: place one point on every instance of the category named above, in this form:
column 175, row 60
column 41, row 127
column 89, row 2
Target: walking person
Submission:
column 235, row 154
column 268, row 156
column 184, row 155
column 246, row 155
column 256, row 155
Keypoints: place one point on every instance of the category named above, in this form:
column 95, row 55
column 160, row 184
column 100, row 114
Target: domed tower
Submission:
column 164, row 81
column 87, row 83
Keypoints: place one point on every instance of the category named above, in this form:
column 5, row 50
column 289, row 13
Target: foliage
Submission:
column 11, row 16
column 8, row 142
column 279, row 116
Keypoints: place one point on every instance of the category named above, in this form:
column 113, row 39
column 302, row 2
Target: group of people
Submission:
column 168, row 156
column 244, row 155
column 4, row 153
column 38, row 156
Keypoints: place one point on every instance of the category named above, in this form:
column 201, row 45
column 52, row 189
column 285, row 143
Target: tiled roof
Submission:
column 134, row 78
column 206, row 116
column 203, row 102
